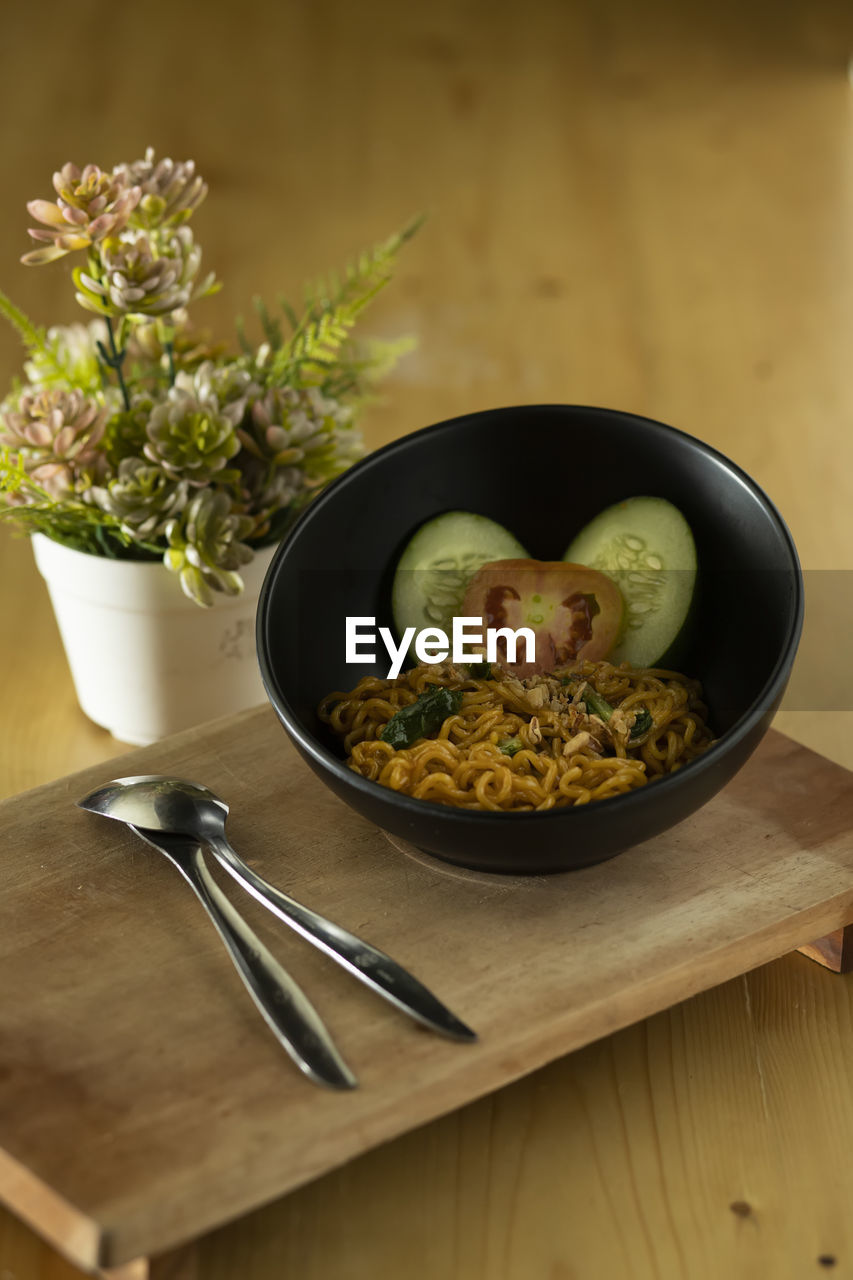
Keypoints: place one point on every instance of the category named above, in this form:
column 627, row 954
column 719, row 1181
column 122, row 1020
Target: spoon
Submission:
column 283, row 1004
column 165, row 804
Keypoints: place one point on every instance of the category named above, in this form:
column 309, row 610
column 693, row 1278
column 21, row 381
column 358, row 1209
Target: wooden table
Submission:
column 645, row 207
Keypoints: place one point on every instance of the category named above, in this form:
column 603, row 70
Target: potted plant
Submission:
column 157, row 470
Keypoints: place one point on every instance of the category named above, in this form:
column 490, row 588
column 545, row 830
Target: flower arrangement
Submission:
column 134, row 435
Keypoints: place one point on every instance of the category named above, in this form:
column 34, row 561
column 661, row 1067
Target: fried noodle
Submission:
column 566, row 756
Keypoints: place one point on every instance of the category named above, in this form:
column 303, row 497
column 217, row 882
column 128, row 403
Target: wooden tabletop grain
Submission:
column 645, row 207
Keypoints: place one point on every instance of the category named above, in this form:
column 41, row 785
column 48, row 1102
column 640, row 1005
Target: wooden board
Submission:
column 143, row 1101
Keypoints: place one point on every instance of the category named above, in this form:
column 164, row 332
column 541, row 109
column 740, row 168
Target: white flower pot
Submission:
column 146, row 661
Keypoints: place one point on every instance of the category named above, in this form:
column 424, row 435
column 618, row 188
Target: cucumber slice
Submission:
column 646, row 546
column 438, row 563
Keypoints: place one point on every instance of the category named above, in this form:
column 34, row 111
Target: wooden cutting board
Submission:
column 144, row 1102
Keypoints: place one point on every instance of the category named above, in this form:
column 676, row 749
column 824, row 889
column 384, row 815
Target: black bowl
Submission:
column 543, row 471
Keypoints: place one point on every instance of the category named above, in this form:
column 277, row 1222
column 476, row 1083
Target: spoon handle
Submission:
column 373, row 967
column 282, row 1003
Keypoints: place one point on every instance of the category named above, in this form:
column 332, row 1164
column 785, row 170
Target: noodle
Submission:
column 563, row 754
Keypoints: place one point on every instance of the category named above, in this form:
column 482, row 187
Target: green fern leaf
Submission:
column 332, row 307
column 271, row 328
column 34, row 338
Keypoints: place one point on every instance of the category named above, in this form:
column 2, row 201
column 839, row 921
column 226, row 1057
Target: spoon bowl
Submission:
column 158, row 802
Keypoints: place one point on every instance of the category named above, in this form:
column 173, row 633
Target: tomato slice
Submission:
column 574, row 612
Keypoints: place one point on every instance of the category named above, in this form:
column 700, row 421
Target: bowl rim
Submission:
column 739, row 731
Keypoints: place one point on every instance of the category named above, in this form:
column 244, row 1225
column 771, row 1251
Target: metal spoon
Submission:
column 161, row 803
column 283, row 1004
